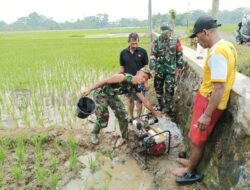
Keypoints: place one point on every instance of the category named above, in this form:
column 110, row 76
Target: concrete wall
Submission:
column 226, row 162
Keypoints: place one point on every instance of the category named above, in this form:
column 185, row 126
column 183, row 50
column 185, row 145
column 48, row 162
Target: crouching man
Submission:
column 219, row 75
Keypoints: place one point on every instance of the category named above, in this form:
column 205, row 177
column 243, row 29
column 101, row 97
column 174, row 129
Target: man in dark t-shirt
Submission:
column 132, row 59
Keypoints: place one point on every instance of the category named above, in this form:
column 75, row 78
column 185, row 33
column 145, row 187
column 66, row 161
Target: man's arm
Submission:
column 148, row 105
column 145, row 58
column 117, row 78
column 121, row 70
column 217, row 93
column 179, row 55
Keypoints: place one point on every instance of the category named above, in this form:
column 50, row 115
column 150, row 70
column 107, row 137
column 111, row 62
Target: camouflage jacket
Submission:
column 123, row 87
column 167, row 53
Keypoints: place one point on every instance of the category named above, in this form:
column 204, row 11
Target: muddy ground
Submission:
column 44, row 174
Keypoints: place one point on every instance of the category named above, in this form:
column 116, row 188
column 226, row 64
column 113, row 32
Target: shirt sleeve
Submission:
column 121, row 59
column 145, row 58
column 218, row 66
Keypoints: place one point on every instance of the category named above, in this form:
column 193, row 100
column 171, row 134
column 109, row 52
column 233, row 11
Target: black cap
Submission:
column 204, row 22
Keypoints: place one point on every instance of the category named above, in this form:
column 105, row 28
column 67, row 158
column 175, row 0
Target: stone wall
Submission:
column 226, row 162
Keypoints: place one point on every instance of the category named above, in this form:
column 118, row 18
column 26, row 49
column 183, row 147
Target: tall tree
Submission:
column 172, row 14
column 215, row 9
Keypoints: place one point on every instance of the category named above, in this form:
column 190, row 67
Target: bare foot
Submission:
column 179, row 171
column 183, row 161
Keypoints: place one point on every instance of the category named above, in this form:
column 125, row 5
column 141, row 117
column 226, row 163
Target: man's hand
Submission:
column 203, row 122
column 159, row 114
column 86, row 93
column 153, row 73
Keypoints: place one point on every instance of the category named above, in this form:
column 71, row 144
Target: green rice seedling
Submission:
column 93, row 164
column 26, row 119
column 38, row 141
column 40, row 175
column 72, row 145
column 20, row 149
column 16, row 172
column 38, row 157
column 7, row 142
column 54, row 178
column 54, row 162
column 109, row 154
column 72, row 161
column 109, row 175
column 105, row 186
column 57, row 143
column 1, row 177
column 2, row 155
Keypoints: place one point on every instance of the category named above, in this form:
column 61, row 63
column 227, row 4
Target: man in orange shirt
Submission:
column 219, row 75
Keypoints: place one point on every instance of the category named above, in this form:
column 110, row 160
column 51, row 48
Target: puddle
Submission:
column 122, row 172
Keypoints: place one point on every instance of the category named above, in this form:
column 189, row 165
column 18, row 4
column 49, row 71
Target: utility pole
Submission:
column 150, row 21
column 215, row 9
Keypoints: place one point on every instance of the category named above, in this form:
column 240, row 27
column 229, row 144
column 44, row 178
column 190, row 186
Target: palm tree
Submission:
column 215, row 9
column 172, row 14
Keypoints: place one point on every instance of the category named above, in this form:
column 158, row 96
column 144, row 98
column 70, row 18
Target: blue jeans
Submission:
column 135, row 97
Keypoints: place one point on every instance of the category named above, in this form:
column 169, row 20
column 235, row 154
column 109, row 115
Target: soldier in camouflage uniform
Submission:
column 106, row 94
column 166, row 58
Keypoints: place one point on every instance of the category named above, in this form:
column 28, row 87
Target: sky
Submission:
column 71, row 10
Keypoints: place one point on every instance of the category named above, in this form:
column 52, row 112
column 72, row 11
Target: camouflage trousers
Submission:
column 102, row 113
column 164, row 85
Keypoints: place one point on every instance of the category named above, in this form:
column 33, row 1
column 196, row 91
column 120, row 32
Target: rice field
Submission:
column 43, row 73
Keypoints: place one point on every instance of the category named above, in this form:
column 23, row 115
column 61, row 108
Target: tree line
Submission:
column 34, row 21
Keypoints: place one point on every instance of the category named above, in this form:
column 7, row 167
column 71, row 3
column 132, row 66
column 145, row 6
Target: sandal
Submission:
column 189, row 178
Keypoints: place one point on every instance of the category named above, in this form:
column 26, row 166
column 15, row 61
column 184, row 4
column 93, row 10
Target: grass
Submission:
column 243, row 59
column 242, row 50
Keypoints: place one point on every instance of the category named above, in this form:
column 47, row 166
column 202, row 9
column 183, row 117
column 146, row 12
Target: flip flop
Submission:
column 189, row 178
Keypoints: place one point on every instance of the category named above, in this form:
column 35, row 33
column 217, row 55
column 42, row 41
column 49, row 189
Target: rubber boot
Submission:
column 160, row 105
column 169, row 109
column 94, row 138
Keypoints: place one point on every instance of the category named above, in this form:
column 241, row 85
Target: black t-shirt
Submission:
column 133, row 62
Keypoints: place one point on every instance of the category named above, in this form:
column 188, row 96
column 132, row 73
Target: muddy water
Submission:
column 122, row 172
